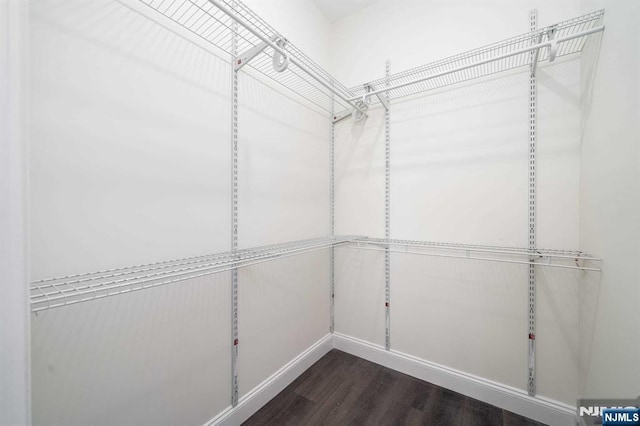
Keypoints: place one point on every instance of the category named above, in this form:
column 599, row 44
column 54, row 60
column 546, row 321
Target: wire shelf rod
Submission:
column 298, row 53
column 128, row 286
column 464, row 246
column 570, row 26
column 574, row 26
column 282, row 51
column 71, row 294
column 488, row 259
column 223, row 259
column 487, row 249
column 79, row 278
column 209, row 22
column 481, row 62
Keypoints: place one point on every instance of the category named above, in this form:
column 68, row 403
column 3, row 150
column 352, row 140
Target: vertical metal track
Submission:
column 234, row 211
column 533, row 17
column 387, row 214
column 332, row 289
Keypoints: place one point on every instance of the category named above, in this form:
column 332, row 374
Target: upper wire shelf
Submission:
column 68, row 290
column 561, row 39
column 567, row 259
column 215, row 21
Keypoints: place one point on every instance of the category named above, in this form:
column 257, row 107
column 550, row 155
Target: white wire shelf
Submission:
column 213, row 21
column 566, row 259
column 68, row 290
column 568, row 37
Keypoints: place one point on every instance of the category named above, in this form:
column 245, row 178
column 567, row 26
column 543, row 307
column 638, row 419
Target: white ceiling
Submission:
column 336, row 9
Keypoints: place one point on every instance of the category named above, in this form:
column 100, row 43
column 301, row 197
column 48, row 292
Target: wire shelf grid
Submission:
column 537, row 256
column 67, row 290
column 207, row 21
column 443, row 73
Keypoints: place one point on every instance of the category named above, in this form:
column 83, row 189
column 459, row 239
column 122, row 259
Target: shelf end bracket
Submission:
column 245, row 57
column 534, row 63
column 339, row 116
column 280, row 62
column 383, row 100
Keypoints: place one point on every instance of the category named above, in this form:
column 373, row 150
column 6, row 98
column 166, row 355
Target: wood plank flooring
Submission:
column 341, row 389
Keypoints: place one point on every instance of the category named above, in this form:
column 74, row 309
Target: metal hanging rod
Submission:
column 554, row 41
column 68, row 290
column 278, row 48
column 259, row 44
column 535, row 47
column 212, row 20
column 575, row 256
column 566, row 254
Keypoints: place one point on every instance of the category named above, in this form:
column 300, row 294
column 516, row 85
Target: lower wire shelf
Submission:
column 567, row 259
column 68, row 290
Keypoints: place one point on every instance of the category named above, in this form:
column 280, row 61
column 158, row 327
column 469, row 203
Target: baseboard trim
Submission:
column 538, row 408
column 272, row 386
column 541, row 409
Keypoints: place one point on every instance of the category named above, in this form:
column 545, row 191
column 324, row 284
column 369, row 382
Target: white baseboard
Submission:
column 265, row 391
column 515, row 400
column 541, row 409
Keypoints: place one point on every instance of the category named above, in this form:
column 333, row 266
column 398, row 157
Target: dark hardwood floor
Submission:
column 341, row 389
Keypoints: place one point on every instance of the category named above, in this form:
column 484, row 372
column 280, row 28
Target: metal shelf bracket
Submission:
column 358, row 112
column 553, row 48
column 247, row 56
column 280, row 61
column 339, row 116
column 381, row 97
column 536, row 56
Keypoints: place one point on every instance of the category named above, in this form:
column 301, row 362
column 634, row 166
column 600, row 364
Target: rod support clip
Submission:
column 536, row 55
column 280, row 61
column 553, row 48
column 368, row 87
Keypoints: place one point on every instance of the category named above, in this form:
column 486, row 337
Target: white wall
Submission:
column 130, row 153
column 284, row 166
column 283, row 196
column 459, row 168
column 14, row 313
column 609, row 202
column 301, row 22
column 130, row 163
column 158, row 356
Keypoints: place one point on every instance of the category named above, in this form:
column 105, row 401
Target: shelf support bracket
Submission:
column 553, row 49
column 246, row 57
column 339, row 116
column 536, row 55
column 280, row 62
column 360, row 113
column 383, row 100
